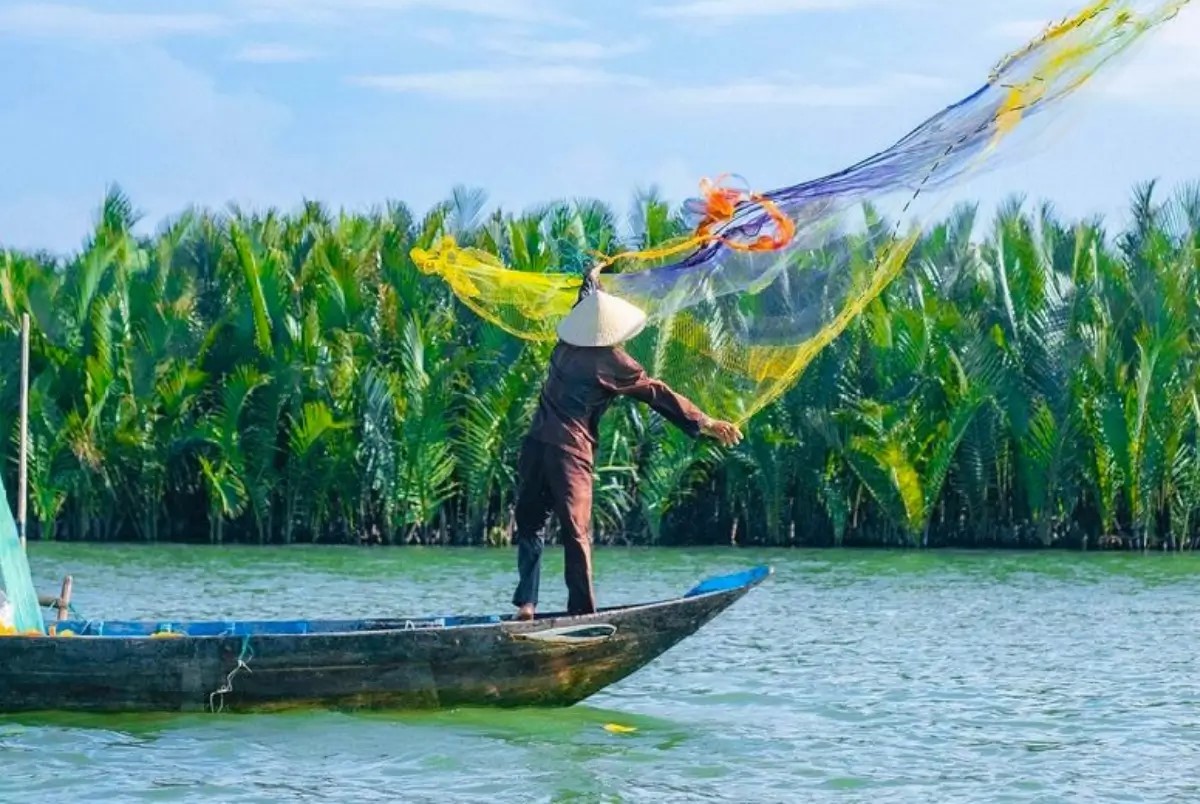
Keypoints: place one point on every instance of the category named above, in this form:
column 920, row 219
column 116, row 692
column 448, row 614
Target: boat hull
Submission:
column 394, row 664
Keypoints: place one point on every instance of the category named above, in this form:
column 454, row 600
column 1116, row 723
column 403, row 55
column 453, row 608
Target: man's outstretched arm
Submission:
column 628, row 378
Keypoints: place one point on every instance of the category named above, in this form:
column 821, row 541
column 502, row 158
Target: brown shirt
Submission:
column 583, row 382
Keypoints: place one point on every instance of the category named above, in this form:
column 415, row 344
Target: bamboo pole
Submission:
column 64, row 599
column 22, row 476
column 62, row 603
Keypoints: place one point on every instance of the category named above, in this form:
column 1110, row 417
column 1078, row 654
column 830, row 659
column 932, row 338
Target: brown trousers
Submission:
column 552, row 480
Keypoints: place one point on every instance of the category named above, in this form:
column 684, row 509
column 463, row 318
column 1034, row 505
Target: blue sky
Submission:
column 355, row 102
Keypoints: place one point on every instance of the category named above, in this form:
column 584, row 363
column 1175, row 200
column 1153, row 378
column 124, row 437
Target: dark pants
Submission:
column 551, row 480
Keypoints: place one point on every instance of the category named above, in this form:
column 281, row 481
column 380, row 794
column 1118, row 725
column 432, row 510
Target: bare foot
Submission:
column 525, row 612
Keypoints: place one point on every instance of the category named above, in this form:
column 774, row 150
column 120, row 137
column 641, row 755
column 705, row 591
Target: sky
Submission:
column 266, row 103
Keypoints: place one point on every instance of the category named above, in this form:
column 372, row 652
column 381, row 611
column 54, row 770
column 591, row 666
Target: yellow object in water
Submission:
column 616, row 728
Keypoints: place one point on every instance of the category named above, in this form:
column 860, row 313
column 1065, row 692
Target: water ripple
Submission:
column 873, row 677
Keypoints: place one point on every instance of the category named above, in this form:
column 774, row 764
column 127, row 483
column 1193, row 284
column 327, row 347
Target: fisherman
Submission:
column 588, row 370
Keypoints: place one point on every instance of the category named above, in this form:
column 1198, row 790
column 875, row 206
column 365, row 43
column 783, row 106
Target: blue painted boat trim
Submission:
column 243, row 628
column 736, row 580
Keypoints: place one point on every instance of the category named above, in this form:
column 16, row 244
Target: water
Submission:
column 856, row 677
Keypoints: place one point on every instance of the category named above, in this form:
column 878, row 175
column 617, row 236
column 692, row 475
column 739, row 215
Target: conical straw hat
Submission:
column 601, row 319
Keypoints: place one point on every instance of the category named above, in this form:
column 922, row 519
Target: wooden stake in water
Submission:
column 22, row 477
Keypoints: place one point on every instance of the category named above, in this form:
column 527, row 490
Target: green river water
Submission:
column 848, row 676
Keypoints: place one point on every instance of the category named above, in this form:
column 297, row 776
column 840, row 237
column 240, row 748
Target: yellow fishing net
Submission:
column 766, row 280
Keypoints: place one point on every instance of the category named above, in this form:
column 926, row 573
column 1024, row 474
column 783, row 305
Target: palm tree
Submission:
column 270, row 376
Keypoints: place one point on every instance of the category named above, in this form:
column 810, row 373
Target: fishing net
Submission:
column 741, row 305
column 15, row 575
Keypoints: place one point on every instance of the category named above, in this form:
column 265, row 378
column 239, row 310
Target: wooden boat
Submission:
column 553, row 660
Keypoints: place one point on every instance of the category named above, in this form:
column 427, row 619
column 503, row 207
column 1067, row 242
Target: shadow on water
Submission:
column 556, row 726
column 490, row 754
column 524, row 726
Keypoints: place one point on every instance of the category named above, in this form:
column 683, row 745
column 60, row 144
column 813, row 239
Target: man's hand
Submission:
column 728, row 434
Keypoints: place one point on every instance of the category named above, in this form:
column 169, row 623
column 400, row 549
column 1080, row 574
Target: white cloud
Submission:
column 50, row 20
column 521, row 83
column 514, row 10
column 533, row 82
column 273, row 53
column 325, row 11
column 563, row 50
column 783, row 92
column 727, row 10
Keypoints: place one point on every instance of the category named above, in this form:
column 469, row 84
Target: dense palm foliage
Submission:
column 271, row 378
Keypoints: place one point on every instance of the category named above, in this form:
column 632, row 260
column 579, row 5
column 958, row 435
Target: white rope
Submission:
column 228, row 685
